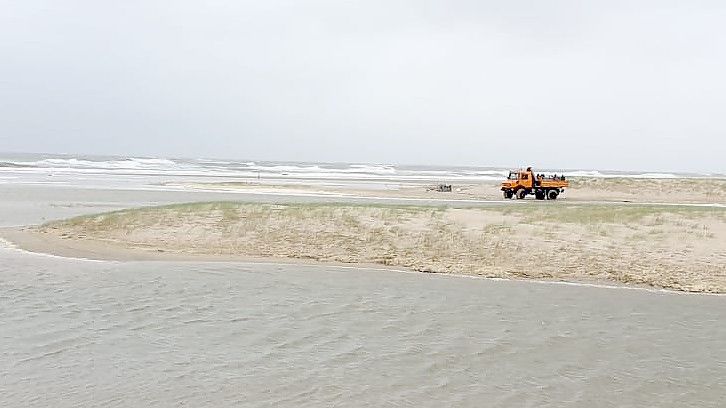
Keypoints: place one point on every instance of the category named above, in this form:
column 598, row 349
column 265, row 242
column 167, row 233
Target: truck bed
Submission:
column 554, row 183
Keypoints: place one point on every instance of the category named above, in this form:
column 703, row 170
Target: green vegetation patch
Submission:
column 529, row 213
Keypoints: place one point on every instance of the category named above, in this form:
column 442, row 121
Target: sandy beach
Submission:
column 673, row 247
column 659, row 232
column 583, row 189
column 213, row 290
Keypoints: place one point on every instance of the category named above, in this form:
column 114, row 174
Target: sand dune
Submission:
column 670, row 247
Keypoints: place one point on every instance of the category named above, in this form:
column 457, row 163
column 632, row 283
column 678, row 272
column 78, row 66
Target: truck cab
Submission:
column 518, row 179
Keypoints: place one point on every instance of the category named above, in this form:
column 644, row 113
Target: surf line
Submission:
column 9, row 246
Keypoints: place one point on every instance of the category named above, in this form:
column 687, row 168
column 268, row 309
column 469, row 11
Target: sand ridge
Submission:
column 678, row 248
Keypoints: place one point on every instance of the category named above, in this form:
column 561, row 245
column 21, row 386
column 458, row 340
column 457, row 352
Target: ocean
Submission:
column 153, row 172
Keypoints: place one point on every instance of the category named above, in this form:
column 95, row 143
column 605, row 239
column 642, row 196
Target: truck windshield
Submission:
column 512, row 175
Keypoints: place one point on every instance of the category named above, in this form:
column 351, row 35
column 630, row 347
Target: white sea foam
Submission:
column 73, row 163
column 276, row 170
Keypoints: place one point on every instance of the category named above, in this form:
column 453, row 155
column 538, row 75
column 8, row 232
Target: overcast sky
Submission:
column 633, row 85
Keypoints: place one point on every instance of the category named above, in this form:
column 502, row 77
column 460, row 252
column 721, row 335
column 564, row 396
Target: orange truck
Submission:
column 521, row 183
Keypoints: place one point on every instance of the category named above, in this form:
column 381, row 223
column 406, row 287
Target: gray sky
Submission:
column 636, row 85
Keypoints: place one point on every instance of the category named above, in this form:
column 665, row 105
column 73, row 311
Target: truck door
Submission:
column 524, row 180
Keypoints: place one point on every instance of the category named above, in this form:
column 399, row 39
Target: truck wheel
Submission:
column 539, row 194
column 552, row 194
column 520, row 194
column 508, row 194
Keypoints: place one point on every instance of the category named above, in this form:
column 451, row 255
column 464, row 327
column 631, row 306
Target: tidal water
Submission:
column 109, row 334
column 155, row 173
column 78, row 333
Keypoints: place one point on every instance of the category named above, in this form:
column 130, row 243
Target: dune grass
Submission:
column 668, row 246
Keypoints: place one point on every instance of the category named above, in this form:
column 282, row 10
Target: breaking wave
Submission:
column 284, row 170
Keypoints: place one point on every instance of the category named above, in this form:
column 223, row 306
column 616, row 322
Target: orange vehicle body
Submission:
column 521, row 183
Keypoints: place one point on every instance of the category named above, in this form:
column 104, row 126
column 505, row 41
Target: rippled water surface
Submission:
column 78, row 333
column 102, row 334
